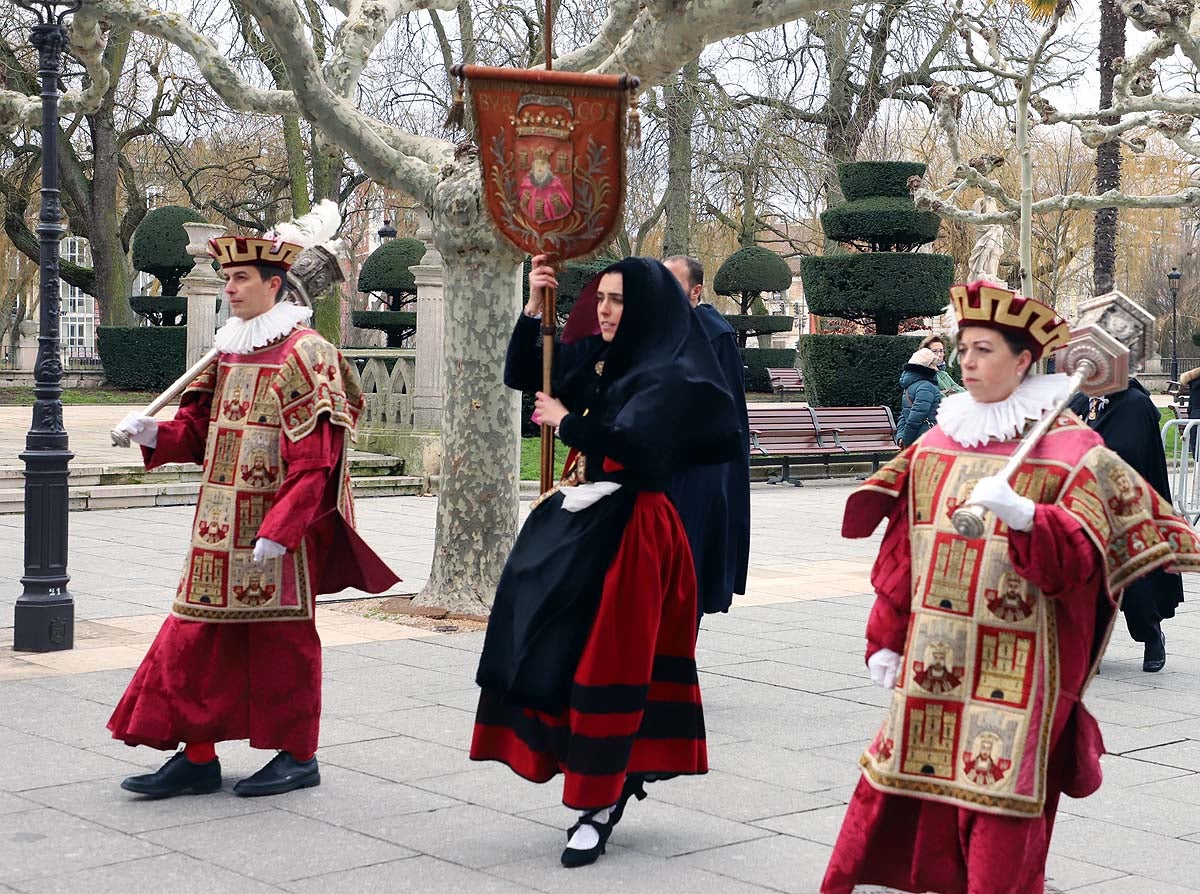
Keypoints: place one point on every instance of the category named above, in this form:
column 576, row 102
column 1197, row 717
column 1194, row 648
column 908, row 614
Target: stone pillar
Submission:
column 27, row 345
column 202, row 288
column 427, row 397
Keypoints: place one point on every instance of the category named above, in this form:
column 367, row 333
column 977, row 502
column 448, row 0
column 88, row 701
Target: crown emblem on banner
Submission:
column 234, row 251
column 533, row 121
column 984, row 304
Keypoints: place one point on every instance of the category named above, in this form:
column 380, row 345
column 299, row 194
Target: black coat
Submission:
column 714, row 500
column 1131, row 426
column 652, row 399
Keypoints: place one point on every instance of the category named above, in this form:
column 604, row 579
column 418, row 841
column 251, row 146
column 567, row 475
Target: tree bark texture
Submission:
column 478, row 493
column 680, row 101
column 1108, row 155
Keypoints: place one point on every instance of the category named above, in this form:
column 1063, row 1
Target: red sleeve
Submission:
column 1056, row 555
column 891, row 577
column 182, row 439
column 309, row 462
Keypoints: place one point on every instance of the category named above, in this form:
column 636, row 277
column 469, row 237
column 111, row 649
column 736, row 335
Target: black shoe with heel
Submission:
column 573, row 857
column 178, row 776
column 635, row 787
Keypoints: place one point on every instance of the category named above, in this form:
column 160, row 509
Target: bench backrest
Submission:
column 783, row 428
column 859, row 427
column 784, row 376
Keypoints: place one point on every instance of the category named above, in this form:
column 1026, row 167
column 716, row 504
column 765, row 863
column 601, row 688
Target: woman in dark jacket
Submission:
column 919, row 397
column 588, row 667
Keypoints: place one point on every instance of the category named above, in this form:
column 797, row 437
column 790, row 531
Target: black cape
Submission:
column 1131, row 426
column 714, row 500
column 652, row 399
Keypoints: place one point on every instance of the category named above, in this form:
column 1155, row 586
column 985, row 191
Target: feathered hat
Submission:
column 281, row 246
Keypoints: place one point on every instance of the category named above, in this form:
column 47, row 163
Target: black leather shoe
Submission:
column 178, row 776
column 283, row 774
column 1155, row 657
column 574, row 857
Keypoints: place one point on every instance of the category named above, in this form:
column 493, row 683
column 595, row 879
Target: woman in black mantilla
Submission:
column 588, row 667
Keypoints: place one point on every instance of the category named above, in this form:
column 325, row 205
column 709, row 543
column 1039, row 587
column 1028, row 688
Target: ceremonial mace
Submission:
column 1113, row 335
column 315, row 270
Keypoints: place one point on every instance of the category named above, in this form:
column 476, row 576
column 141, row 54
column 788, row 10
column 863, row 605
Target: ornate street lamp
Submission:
column 1173, row 278
column 386, row 232
column 44, row 618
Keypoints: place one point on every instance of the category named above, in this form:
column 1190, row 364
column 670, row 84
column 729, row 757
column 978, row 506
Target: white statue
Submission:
column 984, row 262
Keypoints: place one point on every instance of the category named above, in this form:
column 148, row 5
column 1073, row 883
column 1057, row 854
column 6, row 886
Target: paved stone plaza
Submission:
column 787, row 702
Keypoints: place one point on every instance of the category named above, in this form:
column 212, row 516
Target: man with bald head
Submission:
column 714, row 501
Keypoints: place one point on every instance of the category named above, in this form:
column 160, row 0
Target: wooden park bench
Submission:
column 785, row 380
column 781, row 434
column 860, row 432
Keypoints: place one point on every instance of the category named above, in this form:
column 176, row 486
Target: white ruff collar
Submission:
column 240, row 336
column 973, row 423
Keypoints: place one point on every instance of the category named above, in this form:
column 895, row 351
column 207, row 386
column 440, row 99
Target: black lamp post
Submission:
column 44, row 618
column 386, row 232
column 1173, row 278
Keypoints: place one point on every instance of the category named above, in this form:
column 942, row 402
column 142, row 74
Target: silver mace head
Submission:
column 1112, row 336
column 314, row 271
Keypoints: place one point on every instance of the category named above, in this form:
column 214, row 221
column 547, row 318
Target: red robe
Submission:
column 635, row 703
column 211, row 682
column 915, row 844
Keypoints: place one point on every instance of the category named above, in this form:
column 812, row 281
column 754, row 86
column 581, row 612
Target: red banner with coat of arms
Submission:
column 552, row 153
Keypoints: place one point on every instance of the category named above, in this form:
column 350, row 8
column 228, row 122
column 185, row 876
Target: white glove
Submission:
column 997, row 495
column 141, row 429
column 267, row 549
column 884, row 665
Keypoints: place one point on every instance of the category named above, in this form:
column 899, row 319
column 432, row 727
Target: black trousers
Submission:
column 1149, row 601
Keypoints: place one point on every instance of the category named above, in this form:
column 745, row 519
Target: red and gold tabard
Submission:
column 974, row 702
column 259, row 399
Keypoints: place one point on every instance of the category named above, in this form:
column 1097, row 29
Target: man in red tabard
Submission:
column 239, row 656
column 961, row 784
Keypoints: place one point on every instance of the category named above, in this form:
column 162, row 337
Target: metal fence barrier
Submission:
column 1181, row 441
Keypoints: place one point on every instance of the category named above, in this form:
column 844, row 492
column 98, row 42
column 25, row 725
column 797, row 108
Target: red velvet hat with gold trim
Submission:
column 237, row 251
column 982, row 303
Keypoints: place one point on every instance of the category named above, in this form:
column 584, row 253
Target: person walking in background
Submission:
column 945, row 381
column 714, row 500
column 1130, row 424
column 919, row 398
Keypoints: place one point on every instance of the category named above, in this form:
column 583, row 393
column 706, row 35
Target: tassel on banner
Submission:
column 635, row 121
column 457, row 116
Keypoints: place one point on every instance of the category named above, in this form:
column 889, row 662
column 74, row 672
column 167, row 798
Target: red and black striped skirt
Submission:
column 635, row 698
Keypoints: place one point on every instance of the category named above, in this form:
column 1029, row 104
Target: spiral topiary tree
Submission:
column 744, row 276
column 160, row 249
column 386, row 272
column 881, row 283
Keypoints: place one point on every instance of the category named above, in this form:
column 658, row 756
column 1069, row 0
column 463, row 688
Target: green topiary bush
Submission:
column 387, row 271
column 855, row 370
column 749, row 272
column 397, row 324
column 160, row 310
column 144, row 358
column 884, row 283
column 862, row 179
column 160, row 245
column 759, row 324
column 880, row 287
column 880, row 223
column 758, row 360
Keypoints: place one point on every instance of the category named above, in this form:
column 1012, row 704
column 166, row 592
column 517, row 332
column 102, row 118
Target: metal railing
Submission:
column 80, row 359
column 1181, row 441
